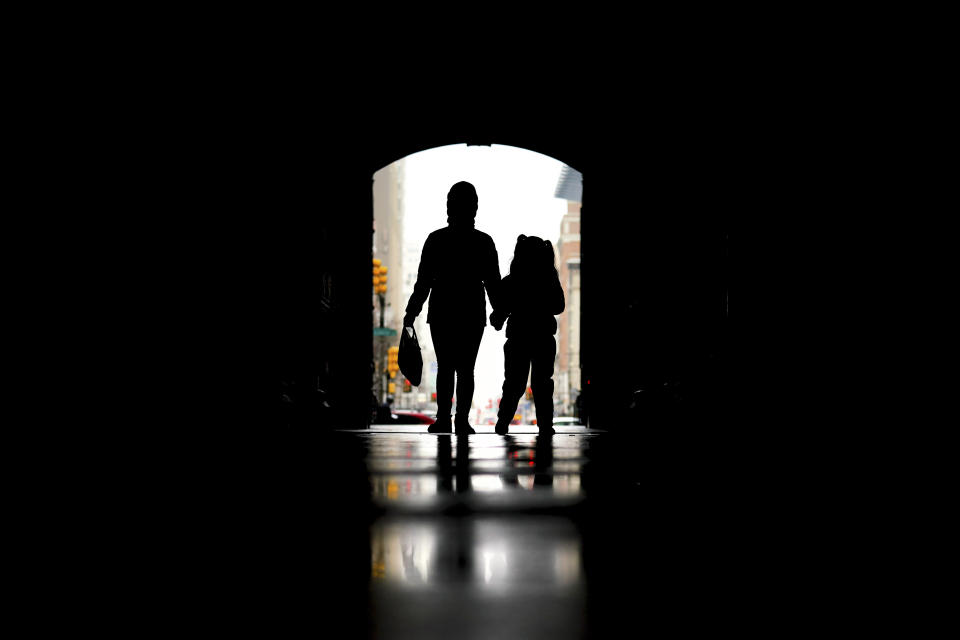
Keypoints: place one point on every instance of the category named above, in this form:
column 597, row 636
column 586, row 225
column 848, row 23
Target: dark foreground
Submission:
column 393, row 532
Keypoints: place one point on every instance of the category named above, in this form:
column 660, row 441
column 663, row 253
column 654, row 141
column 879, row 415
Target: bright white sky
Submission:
column 515, row 189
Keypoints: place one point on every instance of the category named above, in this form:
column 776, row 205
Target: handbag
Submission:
column 409, row 358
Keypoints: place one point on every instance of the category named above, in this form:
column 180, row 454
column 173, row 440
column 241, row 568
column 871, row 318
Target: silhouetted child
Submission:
column 530, row 297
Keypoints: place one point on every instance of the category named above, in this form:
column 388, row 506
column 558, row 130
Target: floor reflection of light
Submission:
column 498, row 555
column 566, row 484
column 487, row 465
column 402, row 465
column 567, row 563
column 402, row 552
column 395, row 487
column 486, row 453
column 486, row 482
column 541, row 552
column 493, row 561
column 395, row 447
column 568, row 452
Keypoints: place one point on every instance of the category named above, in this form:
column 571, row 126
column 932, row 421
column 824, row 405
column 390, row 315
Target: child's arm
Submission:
column 502, row 312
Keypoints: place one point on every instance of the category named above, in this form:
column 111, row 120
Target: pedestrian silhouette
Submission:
column 457, row 264
column 529, row 298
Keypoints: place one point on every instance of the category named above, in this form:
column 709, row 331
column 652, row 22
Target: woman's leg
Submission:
column 445, row 352
column 468, row 346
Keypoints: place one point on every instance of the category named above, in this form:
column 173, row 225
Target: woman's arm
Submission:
column 505, row 301
column 425, row 276
column 491, row 274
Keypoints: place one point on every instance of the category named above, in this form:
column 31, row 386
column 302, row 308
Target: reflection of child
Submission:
column 530, row 297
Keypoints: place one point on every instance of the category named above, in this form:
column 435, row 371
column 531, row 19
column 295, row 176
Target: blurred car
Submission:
column 402, row 416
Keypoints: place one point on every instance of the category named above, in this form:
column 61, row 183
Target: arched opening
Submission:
column 655, row 301
column 654, row 312
column 520, row 192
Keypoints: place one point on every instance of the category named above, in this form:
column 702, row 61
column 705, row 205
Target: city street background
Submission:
column 519, row 192
column 515, row 188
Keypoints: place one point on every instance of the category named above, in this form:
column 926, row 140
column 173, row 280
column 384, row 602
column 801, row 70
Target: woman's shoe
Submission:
column 502, row 428
column 440, row 426
column 463, row 427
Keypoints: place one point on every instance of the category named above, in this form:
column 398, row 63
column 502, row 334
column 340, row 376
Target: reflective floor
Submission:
column 477, row 536
column 422, row 472
column 393, row 532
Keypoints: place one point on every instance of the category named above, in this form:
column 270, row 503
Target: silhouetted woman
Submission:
column 458, row 262
column 530, row 296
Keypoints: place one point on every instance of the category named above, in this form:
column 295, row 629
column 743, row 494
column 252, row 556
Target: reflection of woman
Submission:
column 444, row 465
column 458, row 263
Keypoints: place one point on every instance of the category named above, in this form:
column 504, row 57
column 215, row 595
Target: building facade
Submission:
column 388, row 248
column 569, row 188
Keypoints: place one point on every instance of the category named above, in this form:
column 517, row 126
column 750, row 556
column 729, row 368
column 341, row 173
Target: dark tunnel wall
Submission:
column 662, row 189
column 654, row 261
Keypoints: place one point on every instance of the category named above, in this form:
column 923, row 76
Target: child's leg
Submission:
column 541, row 380
column 516, row 368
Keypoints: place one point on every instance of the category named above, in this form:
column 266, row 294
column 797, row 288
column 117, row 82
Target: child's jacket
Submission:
column 531, row 307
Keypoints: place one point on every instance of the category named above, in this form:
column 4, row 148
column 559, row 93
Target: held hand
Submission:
column 496, row 320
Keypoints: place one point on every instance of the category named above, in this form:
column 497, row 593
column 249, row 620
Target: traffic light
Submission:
column 393, row 366
column 433, row 397
column 379, row 277
column 529, row 393
column 406, row 386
